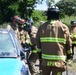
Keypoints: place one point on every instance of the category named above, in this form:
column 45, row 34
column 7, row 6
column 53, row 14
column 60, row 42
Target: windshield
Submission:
column 7, row 48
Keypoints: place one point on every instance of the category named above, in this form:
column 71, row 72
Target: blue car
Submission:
column 11, row 54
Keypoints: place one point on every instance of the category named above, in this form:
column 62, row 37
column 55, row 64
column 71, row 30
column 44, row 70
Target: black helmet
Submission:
column 53, row 13
column 73, row 22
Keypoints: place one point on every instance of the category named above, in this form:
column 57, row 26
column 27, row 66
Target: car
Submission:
column 11, row 54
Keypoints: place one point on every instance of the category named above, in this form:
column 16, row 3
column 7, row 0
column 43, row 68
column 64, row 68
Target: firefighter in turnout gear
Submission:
column 34, row 55
column 73, row 34
column 17, row 25
column 14, row 24
column 53, row 39
column 25, row 38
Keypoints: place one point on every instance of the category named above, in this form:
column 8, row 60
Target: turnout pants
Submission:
column 46, row 70
column 73, row 45
column 31, row 63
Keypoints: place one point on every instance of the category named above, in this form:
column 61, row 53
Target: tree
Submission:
column 7, row 9
column 49, row 2
column 23, row 8
column 66, row 6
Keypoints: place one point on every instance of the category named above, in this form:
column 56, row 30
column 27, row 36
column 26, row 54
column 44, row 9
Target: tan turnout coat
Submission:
column 51, row 48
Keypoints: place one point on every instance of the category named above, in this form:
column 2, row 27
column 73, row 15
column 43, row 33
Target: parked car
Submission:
column 11, row 54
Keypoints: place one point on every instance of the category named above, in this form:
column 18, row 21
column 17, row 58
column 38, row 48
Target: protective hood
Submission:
column 10, row 66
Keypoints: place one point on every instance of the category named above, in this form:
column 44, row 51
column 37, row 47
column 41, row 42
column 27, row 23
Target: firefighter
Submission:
column 24, row 37
column 17, row 25
column 53, row 39
column 14, row 24
column 73, row 34
column 33, row 56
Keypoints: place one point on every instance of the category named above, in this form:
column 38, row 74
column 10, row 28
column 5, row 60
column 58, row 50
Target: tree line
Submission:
column 25, row 8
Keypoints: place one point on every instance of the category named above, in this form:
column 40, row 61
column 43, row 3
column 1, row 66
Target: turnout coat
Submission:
column 53, row 39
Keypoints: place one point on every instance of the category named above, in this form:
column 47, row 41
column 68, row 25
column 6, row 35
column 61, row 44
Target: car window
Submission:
column 17, row 43
column 7, row 47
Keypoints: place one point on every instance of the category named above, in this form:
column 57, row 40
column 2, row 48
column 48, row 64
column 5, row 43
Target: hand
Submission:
column 69, row 56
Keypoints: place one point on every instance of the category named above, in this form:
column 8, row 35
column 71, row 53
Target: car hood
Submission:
column 10, row 66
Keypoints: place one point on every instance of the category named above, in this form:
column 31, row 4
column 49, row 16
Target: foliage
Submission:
column 38, row 16
column 68, row 19
column 23, row 8
column 67, row 6
column 26, row 7
column 49, row 2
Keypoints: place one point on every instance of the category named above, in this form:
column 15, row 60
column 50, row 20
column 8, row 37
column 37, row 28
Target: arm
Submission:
column 68, row 45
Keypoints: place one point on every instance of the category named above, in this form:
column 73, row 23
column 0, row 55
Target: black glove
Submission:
column 22, row 54
column 40, row 55
column 69, row 56
column 26, row 47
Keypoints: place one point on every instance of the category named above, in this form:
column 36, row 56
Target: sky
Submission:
column 43, row 6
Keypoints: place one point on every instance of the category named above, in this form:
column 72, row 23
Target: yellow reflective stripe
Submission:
column 23, row 25
column 22, row 37
column 38, row 50
column 53, row 57
column 50, row 63
column 73, row 42
column 73, row 35
column 59, row 73
column 27, row 37
column 34, row 51
column 52, row 39
column 31, row 43
column 52, row 22
column 69, row 51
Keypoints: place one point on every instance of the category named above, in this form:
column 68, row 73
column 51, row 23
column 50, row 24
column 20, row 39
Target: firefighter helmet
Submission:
column 16, row 19
column 53, row 13
column 22, row 21
column 73, row 22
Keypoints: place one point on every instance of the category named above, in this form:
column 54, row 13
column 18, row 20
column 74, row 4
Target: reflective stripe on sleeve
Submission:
column 73, row 35
column 37, row 50
column 31, row 43
column 34, row 51
column 69, row 51
column 22, row 37
column 73, row 42
column 53, row 57
column 52, row 39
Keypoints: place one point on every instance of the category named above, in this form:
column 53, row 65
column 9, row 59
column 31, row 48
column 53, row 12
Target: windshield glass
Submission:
column 7, row 48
